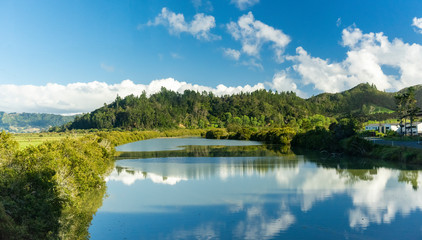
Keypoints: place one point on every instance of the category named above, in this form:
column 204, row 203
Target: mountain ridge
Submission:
column 31, row 122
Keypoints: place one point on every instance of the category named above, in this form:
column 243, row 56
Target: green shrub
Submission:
column 219, row 133
column 379, row 134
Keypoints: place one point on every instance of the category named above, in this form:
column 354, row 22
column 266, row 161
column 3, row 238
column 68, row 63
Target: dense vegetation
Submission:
column 363, row 100
column 327, row 122
column 168, row 109
column 52, row 190
column 337, row 139
column 44, row 190
column 31, row 122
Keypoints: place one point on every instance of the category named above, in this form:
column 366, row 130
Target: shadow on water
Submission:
column 328, row 160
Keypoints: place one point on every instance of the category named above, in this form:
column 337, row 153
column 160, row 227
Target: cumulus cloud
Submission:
column 368, row 54
column 86, row 97
column 231, row 53
column 199, row 27
column 282, row 82
column 325, row 76
column 253, row 34
column 244, row 4
column 417, row 23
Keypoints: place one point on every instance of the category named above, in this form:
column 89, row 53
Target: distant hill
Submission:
column 418, row 94
column 31, row 122
column 168, row 109
column 364, row 99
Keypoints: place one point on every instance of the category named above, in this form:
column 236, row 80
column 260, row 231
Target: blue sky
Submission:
column 62, row 52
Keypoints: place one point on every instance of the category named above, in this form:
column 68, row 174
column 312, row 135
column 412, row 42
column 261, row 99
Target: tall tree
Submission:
column 412, row 109
column 406, row 107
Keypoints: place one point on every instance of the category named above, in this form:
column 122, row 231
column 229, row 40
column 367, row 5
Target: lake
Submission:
column 220, row 189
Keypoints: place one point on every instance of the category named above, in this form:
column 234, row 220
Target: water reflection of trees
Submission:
column 212, row 151
column 377, row 195
column 265, row 158
column 76, row 222
column 200, row 168
column 410, row 177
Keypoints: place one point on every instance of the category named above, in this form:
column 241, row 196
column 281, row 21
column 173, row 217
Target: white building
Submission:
column 384, row 127
column 416, row 129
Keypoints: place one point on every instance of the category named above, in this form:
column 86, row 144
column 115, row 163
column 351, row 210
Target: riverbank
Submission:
column 340, row 140
column 51, row 189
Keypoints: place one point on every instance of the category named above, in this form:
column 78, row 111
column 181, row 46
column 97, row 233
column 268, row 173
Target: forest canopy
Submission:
column 191, row 109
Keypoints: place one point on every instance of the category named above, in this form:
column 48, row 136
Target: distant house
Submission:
column 372, row 127
column 416, row 129
column 384, row 127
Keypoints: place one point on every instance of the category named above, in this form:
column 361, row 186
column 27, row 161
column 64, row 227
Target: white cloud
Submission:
column 199, row 27
column 417, row 23
column 325, row 76
column 366, row 57
column 283, row 83
column 86, row 97
column 232, row 53
column 253, row 34
column 244, row 4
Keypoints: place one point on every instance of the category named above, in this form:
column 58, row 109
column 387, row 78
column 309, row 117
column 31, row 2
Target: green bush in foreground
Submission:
column 43, row 189
column 52, row 190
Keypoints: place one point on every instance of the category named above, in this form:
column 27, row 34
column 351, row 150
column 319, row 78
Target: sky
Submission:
column 73, row 56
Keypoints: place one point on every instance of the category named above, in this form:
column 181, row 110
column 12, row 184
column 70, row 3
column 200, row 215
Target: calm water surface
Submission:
column 264, row 196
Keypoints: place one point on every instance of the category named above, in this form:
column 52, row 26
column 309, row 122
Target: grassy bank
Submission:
column 340, row 139
column 353, row 145
column 34, row 139
column 116, row 137
column 50, row 187
column 52, row 190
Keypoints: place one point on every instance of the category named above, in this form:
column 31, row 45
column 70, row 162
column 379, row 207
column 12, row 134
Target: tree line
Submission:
column 262, row 108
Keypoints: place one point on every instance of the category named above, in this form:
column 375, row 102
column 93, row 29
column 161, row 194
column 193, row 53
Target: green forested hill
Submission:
column 418, row 94
column 168, row 109
column 31, row 122
column 191, row 109
column 364, row 99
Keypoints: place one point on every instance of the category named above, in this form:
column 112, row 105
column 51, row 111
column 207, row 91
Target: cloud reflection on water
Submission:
column 377, row 195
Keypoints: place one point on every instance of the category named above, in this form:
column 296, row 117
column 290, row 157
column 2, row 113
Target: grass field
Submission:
column 34, row 139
